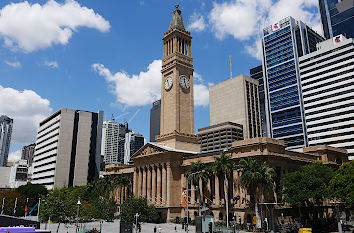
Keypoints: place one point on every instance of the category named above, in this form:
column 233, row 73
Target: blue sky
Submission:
column 105, row 55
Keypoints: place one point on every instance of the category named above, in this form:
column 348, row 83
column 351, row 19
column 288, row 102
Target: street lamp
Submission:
column 187, row 196
column 77, row 213
column 136, row 222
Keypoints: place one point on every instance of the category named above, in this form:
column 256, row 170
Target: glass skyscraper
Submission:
column 5, row 138
column 283, row 43
column 337, row 17
column 257, row 73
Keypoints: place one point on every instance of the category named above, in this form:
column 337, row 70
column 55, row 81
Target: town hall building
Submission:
column 159, row 170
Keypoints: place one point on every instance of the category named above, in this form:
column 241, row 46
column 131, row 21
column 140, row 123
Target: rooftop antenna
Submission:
column 230, row 68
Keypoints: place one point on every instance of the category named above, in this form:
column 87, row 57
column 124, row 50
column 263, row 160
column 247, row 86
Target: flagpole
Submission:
column 26, row 206
column 15, row 206
column 39, row 204
column 3, row 203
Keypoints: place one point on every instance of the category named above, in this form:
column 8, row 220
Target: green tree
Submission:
column 222, row 167
column 256, row 178
column 9, row 202
column 341, row 185
column 102, row 209
column 307, row 186
column 33, row 192
column 198, row 171
column 59, row 206
column 133, row 205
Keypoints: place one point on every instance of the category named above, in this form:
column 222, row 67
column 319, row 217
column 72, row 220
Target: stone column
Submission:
column 148, row 170
column 169, row 184
column 138, row 188
column 164, row 179
column 135, row 182
column 217, row 191
column 153, row 191
column 144, row 181
column 158, row 184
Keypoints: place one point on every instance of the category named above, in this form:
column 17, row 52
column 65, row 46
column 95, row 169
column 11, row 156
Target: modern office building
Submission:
column 257, row 73
column 14, row 176
column 67, row 151
column 327, row 79
column 283, row 43
column 155, row 115
column 132, row 144
column 219, row 136
column 28, row 153
column 5, row 138
column 113, row 137
column 337, row 17
column 237, row 100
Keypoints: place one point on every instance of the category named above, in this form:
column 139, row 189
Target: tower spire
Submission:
column 177, row 20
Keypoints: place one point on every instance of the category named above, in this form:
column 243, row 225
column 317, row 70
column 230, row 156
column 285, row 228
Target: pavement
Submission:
column 113, row 227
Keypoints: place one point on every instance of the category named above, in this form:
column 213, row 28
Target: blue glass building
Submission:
column 283, row 43
column 337, row 17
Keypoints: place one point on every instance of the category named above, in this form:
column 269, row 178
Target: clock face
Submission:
column 168, row 83
column 184, row 82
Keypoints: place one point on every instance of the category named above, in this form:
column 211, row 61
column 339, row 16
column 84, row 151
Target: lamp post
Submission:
column 136, row 222
column 77, row 214
column 187, row 195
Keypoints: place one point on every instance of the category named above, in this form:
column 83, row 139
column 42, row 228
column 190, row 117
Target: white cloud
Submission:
column 137, row 89
column 201, row 91
column 197, row 22
column 30, row 27
column 145, row 87
column 51, row 64
column 245, row 19
column 27, row 109
column 15, row 64
column 14, row 156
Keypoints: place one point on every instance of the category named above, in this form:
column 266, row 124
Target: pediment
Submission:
column 147, row 150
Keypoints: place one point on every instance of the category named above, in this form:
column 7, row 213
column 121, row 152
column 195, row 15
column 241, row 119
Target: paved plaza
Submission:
column 113, row 227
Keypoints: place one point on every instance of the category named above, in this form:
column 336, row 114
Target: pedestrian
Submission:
column 154, row 229
column 175, row 228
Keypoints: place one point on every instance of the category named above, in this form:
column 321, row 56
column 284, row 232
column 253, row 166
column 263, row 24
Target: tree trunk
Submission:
column 101, row 225
column 226, row 202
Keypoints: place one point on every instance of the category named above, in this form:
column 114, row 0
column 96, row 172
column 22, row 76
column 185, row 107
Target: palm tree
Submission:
column 223, row 166
column 196, row 173
column 255, row 178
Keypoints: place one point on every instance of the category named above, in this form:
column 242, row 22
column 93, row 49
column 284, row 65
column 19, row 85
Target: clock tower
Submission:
column 177, row 103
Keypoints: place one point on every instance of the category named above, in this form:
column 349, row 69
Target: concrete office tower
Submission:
column 155, row 116
column 132, row 144
column 113, row 136
column 236, row 100
column 28, row 153
column 5, row 138
column 67, row 149
column 337, row 17
column 219, row 136
column 327, row 79
column 257, row 73
column 283, row 43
